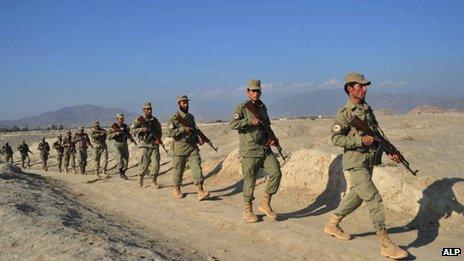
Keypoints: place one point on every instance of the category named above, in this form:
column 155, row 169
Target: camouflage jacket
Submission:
column 7, row 150
column 252, row 138
column 58, row 146
column 119, row 134
column 82, row 141
column 343, row 135
column 43, row 147
column 69, row 145
column 147, row 140
column 184, row 142
column 23, row 148
column 99, row 138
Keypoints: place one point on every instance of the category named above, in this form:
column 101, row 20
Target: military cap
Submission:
column 182, row 98
column 80, row 128
column 254, row 84
column 119, row 115
column 356, row 77
column 60, row 136
column 68, row 131
column 147, row 105
column 96, row 123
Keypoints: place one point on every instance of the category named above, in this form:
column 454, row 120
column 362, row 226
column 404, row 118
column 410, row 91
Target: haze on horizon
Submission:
column 121, row 53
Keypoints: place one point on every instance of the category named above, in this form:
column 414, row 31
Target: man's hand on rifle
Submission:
column 255, row 122
column 187, row 129
column 367, row 140
column 395, row 157
column 200, row 141
column 144, row 129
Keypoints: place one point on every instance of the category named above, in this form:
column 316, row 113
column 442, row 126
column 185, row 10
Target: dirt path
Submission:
column 215, row 227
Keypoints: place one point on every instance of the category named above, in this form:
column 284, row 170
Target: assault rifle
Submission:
column 271, row 136
column 200, row 134
column 384, row 145
column 116, row 128
column 152, row 136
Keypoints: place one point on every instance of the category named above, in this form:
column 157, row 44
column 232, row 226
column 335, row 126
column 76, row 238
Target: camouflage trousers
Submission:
column 122, row 150
column 44, row 159
column 25, row 159
column 9, row 158
column 150, row 156
column 101, row 154
column 59, row 159
column 82, row 159
column 69, row 156
column 250, row 169
column 194, row 162
column 363, row 190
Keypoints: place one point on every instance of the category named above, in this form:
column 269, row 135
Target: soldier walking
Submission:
column 185, row 150
column 58, row 146
column 7, row 152
column 147, row 129
column 252, row 122
column 357, row 160
column 44, row 149
column 98, row 135
column 69, row 151
column 82, row 141
column 120, row 133
column 24, row 151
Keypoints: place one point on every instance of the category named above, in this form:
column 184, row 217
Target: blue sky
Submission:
column 121, row 53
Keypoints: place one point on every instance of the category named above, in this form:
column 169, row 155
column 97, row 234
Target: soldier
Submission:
column 148, row 130
column 82, row 141
column 120, row 132
column 44, row 149
column 184, row 149
column 357, row 161
column 69, row 151
column 7, row 152
column 24, row 151
column 256, row 138
column 101, row 149
column 59, row 147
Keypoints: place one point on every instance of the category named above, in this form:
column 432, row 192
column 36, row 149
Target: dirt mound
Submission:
column 41, row 222
column 427, row 109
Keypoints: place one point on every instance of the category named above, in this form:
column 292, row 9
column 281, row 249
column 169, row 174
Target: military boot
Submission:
column 74, row 170
column 105, row 175
column 177, row 193
column 248, row 214
column 154, row 183
column 140, row 181
column 97, row 172
column 332, row 227
column 265, row 206
column 201, row 194
column 66, row 170
column 388, row 248
column 122, row 174
column 59, row 169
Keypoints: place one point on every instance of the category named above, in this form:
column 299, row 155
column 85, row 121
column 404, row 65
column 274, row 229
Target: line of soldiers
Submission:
column 250, row 119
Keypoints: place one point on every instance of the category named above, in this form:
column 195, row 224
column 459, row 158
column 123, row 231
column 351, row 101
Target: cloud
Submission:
column 391, row 84
column 330, row 84
column 302, row 85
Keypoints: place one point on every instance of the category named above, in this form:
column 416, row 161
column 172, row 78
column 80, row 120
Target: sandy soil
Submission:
column 424, row 213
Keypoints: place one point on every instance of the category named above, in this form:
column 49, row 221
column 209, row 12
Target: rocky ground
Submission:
column 51, row 215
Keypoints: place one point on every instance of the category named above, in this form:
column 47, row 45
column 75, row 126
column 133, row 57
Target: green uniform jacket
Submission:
column 7, row 150
column 23, row 149
column 43, row 147
column 183, row 143
column 147, row 140
column 124, row 134
column 81, row 141
column 58, row 146
column 252, row 138
column 345, row 136
column 99, row 138
column 69, row 145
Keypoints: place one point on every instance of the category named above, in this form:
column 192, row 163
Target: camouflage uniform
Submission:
column 358, row 162
column 59, row 147
column 147, row 142
column 101, row 149
column 82, row 141
column 255, row 153
column 120, row 134
column 44, row 149
column 69, row 152
column 7, row 152
column 24, row 151
column 185, row 151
